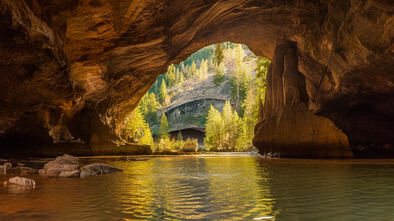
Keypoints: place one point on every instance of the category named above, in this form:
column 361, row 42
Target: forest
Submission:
column 227, row 129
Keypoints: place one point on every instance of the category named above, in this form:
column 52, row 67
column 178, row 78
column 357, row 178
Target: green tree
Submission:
column 181, row 79
column 219, row 76
column 261, row 75
column 250, row 107
column 240, row 80
column 239, row 134
column 163, row 92
column 179, row 136
column 137, row 129
column 193, row 68
column 170, row 76
column 148, row 107
column 163, row 129
column 219, row 54
column 214, row 130
column 227, row 116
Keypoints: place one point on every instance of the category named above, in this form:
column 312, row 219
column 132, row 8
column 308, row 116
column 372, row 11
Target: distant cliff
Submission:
column 189, row 104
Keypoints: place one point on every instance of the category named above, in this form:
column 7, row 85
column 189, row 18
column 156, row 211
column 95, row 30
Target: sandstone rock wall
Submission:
column 286, row 127
column 71, row 70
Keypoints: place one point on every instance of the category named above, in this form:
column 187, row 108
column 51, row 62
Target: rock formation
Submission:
column 67, row 166
column 22, row 181
column 71, row 70
column 287, row 128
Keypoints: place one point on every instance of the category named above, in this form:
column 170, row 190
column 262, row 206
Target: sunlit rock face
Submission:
column 71, row 70
column 286, row 127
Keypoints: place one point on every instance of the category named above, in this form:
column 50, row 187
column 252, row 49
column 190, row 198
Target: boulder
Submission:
column 22, row 181
column 95, row 169
column 65, row 163
column 68, row 174
column 67, row 157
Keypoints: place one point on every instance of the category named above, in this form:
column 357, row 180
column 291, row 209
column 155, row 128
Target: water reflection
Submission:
column 197, row 188
column 213, row 188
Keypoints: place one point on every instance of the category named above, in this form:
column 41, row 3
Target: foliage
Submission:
column 225, row 131
column 178, row 143
column 148, row 107
column 170, row 75
column 190, row 145
column 137, row 129
column 163, row 129
column 261, row 75
column 219, row 54
column 219, row 76
column 214, row 130
column 240, row 79
column 229, row 63
column 163, row 92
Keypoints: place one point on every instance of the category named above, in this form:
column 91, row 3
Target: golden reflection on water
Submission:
column 197, row 188
column 212, row 187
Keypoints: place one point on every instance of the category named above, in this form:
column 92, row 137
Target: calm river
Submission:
column 213, row 187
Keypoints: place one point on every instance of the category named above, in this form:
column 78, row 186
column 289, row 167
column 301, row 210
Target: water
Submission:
column 213, row 187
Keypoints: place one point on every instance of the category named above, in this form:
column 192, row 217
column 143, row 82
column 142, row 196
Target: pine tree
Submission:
column 239, row 136
column 227, row 116
column 147, row 137
column 261, row 75
column 181, row 80
column 163, row 129
column 219, row 54
column 137, row 129
column 179, row 136
column 193, row 69
column 148, row 107
column 214, row 130
column 163, row 92
column 170, row 76
column 203, row 70
column 219, row 76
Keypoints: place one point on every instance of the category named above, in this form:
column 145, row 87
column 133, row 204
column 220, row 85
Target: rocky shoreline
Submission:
column 65, row 166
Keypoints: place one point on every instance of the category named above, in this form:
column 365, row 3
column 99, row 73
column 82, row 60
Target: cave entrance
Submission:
column 208, row 101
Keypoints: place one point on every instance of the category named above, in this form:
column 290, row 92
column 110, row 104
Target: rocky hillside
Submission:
column 189, row 104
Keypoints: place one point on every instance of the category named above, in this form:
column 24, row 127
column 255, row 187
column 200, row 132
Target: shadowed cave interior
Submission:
column 70, row 78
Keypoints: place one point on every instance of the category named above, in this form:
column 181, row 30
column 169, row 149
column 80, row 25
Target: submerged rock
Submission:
column 27, row 170
column 68, row 174
column 65, row 163
column 67, row 158
column 95, row 169
column 22, row 181
column 66, row 166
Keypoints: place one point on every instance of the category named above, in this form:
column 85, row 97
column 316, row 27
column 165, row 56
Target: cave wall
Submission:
column 286, row 127
column 71, row 70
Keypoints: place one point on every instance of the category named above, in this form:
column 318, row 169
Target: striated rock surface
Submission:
column 71, row 70
column 286, row 127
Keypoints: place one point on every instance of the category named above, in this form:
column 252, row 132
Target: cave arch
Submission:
column 70, row 67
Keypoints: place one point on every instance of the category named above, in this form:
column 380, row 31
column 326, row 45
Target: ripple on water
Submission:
column 213, row 188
